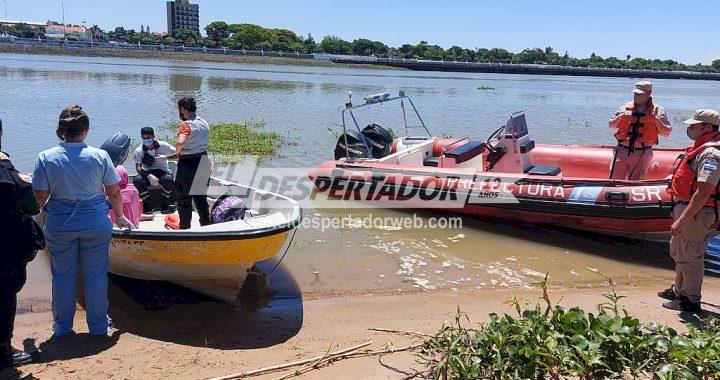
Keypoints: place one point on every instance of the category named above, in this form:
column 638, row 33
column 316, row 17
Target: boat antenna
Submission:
column 402, row 105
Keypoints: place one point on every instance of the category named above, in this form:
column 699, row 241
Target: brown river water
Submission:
column 304, row 104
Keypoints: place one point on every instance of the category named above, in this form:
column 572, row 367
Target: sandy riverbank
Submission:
column 208, row 339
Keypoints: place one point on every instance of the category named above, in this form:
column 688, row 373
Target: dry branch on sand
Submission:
column 318, row 362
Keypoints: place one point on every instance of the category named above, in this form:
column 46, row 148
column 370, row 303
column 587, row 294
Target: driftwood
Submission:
column 352, row 354
column 316, row 360
column 406, row 332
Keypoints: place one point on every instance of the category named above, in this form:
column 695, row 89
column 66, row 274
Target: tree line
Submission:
column 255, row 37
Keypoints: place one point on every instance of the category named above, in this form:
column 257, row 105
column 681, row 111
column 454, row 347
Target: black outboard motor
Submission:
column 355, row 147
column 118, row 147
column 379, row 139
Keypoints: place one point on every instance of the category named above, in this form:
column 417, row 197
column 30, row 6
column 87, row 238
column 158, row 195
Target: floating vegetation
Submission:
column 247, row 138
column 486, row 88
column 572, row 124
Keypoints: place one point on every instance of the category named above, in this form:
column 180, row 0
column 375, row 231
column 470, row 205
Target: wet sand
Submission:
column 208, row 339
column 334, row 285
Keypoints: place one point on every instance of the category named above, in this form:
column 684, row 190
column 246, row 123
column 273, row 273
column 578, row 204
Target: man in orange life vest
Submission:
column 694, row 188
column 638, row 125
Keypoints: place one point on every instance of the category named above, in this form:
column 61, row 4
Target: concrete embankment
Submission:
column 172, row 55
column 476, row 67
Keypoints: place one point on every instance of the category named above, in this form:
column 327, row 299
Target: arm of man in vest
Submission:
column 182, row 138
column 614, row 122
column 707, row 180
column 662, row 122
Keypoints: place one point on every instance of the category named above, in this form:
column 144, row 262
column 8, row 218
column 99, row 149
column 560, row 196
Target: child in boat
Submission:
column 132, row 206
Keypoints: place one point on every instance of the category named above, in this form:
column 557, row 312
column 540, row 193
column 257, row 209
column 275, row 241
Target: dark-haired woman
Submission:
column 71, row 181
column 193, row 164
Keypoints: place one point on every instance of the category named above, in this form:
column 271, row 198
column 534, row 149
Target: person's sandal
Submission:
column 668, row 294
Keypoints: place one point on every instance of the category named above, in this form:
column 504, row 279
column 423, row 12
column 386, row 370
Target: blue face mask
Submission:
column 148, row 142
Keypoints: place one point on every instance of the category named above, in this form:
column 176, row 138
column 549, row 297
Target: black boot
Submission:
column 668, row 294
column 20, row 357
column 682, row 303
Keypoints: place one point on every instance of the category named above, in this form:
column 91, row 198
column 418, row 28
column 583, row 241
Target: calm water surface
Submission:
column 304, row 104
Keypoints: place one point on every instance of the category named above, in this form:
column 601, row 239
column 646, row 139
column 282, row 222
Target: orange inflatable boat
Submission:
column 506, row 177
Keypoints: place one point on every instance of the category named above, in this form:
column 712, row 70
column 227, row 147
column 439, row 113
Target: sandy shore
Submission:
column 209, row 339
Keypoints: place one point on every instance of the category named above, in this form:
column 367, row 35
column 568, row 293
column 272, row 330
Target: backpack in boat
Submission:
column 228, row 208
column 21, row 234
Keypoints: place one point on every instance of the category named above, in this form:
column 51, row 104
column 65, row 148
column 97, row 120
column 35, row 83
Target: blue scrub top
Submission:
column 74, row 171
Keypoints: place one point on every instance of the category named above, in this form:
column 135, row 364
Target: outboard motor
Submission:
column 379, row 139
column 118, row 147
column 355, row 147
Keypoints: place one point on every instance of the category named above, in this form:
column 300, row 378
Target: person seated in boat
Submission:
column 132, row 205
column 638, row 125
column 695, row 187
column 151, row 163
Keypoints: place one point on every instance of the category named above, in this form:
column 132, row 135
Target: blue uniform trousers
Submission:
column 78, row 238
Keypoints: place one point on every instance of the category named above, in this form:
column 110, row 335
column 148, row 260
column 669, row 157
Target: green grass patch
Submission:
column 229, row 139
column 486, row 88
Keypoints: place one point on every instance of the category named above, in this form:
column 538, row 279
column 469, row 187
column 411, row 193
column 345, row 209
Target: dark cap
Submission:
column 147, row 131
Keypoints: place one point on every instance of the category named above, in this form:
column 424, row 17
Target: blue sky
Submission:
column 651, row 29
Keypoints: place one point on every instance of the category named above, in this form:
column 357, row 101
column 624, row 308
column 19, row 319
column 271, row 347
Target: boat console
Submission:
column 512, row 150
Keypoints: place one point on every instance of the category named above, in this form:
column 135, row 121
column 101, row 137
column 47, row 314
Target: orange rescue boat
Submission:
column 505, row 177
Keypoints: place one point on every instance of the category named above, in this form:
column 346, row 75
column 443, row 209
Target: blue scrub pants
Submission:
column 78, row 238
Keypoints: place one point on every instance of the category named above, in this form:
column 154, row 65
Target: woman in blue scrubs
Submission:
column 71, row 181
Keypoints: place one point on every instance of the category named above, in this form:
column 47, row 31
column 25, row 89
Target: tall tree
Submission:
column 335, row 45
column 217, row 31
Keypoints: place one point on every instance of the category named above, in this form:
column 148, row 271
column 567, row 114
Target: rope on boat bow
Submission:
column 286, row 251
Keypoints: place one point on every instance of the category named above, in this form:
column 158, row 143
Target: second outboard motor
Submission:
column 118, row 147
column 379, row 139
column 354, row 148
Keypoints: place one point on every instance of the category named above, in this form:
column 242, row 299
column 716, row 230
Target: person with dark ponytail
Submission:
column 193, row 169
column 71, row 182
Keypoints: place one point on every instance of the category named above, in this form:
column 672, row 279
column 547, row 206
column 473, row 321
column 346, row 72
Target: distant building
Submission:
column 15, row 22
column 61, row 31
column 181, row 14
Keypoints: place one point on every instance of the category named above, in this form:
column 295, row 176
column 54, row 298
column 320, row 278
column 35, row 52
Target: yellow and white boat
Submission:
column 213, row 259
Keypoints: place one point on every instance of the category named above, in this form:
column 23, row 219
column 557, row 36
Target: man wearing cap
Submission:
column 694, row 187
column 151, row 163
column 638, row 125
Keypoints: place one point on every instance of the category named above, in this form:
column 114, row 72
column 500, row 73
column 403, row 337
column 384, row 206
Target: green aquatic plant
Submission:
column 486, row 88
column 247, row 138
column 557, row 342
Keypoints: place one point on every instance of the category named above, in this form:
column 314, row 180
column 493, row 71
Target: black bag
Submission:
column 148, row 160
column 21, row 233
column 34, row 238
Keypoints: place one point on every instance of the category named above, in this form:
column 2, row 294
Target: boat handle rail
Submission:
column 445, row 148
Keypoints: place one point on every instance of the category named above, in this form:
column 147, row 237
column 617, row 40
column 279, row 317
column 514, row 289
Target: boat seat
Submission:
column 543, row 170
column 466, row 152
column 431, row 161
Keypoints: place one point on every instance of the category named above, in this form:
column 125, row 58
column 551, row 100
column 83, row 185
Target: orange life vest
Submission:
column 684, row 180
column 638, row 126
